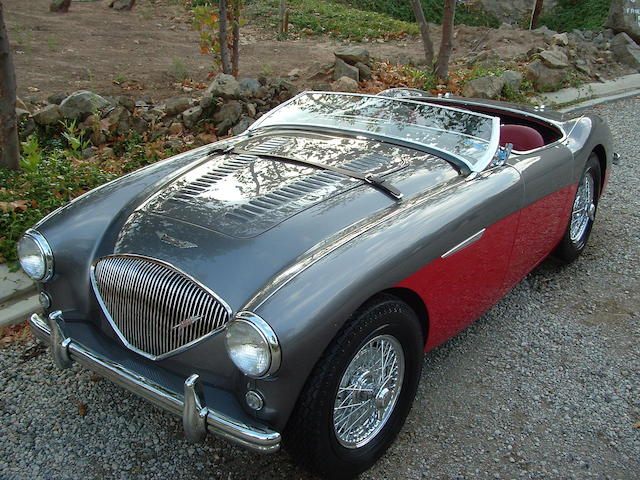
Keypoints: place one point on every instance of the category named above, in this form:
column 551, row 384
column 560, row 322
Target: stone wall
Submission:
column 511, row 11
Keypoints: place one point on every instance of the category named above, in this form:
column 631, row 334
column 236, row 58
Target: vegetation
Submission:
column 331, row 18
column 433, row 9
column 53, row 172
column 580, row 14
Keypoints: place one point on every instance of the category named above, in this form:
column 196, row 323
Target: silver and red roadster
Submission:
column 280, row 287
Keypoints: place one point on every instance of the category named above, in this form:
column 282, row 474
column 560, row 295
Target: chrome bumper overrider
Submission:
column 197, row 419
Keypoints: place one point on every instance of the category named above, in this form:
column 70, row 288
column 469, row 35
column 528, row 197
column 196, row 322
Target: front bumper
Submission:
column 197, row 419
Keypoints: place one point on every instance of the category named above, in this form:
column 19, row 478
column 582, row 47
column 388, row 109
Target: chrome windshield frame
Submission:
column 478, row 166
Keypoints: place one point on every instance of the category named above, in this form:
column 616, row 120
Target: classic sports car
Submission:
column 281, row 286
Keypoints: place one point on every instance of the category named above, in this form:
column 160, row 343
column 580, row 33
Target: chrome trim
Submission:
column 126, row 341
column 269, row 336
column 45, row 300
column 262, row 440
column 464, row 244
column 47, row 254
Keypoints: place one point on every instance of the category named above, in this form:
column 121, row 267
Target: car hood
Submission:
column 234, row 221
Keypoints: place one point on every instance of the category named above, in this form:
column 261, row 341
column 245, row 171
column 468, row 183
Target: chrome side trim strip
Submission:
column 464, row 244
column 256, row 439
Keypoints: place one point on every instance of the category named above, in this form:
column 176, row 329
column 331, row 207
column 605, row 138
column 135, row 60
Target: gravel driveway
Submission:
column 546, row 385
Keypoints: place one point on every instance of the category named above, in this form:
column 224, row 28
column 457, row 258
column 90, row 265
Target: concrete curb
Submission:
column 18, row 297
column 592, row 93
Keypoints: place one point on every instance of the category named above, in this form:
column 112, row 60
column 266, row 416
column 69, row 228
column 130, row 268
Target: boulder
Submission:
column 345, row 84
column 122, row 4
column 191, row 116
column 561, row 39
column 244, row 123
column 343, row 69
column 224, row 86
column 554, row 58
column 138, row 124
column 79, row 105
column 176, row 105
column 26, row 125
column 543, row 77
column 126, row 103
column 626, row 50
column 512, row 79
column 624, row 16
column 227, row 116
column 364, row 70
column 176, row 128
column 353, row 54
column 57, row 98
column 251, row 109
column 118, row 120
column 249, row 86
column 483, row 87
column 48, row 115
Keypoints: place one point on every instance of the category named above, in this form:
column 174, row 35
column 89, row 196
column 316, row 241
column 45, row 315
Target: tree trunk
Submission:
column 424, row 32
column 9, row 153
column 224, row 43
column 235, row 28
column 535, row 16
column 282, row 28
column 442, row 67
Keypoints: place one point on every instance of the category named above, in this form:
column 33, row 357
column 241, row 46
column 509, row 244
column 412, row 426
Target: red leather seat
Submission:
column 522, row 137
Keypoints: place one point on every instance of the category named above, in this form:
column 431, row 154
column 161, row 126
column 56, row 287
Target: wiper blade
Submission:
column 380, row 183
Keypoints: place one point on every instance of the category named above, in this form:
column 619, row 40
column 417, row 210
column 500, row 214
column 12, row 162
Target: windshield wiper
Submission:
column 381, row 184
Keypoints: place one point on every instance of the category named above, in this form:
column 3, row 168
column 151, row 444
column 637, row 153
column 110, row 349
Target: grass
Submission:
column 331, row 18
column 433, row 10
column 580, row 14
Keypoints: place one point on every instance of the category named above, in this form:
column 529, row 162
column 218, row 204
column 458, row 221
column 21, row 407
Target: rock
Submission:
column 626, row 50
column 224, row 86
column 318, row 71
column 191, row 116
column 345, row 84
column 176, row 128
column 126, row 103
column 48, row 115
column 561, row 39
column 244, row 123
column 227, row 116
column 176, row 105
column 118, row 120
column 624, row 16
column 205, row 138
column 295, row 73
column 343, row 69
column 512, row 79
column 57, row 98
column 20, row 104
column 364, row 70
column 554, row 58
column 138, row 125
column 584, row 67
column 87, row 152
column 249, row 86
column 59, row 5
column 321, row 87
column 545, row 31
column 26, row 124
column 172, row 143
column 353, row 54
column 483, row 87
column 543, row 77
column 251, row 109
column 79, row 105
column 121, row 4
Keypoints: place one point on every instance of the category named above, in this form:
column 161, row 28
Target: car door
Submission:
column 548, row 196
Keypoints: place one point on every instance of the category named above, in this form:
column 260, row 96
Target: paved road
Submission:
column 544, row 386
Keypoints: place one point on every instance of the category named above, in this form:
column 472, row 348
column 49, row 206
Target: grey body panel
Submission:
column 305, row 265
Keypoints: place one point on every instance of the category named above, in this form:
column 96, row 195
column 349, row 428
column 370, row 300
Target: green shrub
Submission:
column 580, row 14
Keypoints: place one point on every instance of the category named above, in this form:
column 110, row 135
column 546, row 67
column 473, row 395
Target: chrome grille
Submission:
column 154, row 308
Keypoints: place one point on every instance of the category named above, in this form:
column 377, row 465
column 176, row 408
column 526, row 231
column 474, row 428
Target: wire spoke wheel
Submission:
column 368, row 391
column 583, row 208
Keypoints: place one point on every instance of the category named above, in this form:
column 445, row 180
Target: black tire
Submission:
column 310, row 436
column 570, row 248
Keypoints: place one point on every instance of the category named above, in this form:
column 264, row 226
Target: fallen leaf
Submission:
column 95, row 378
column 82, row 408
column 637, row 424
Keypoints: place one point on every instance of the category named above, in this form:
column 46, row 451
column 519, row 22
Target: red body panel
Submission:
column 460, row 288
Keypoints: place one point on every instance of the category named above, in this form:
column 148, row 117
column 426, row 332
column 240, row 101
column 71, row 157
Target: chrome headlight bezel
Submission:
column 268, row 338
column 45, row 254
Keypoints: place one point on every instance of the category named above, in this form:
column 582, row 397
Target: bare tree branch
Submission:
column 424, row 31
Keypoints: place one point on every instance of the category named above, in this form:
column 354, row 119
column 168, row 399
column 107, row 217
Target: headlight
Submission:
column 253, row 345
column 35, row 256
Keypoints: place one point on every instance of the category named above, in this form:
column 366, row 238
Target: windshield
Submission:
column 468, row 136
